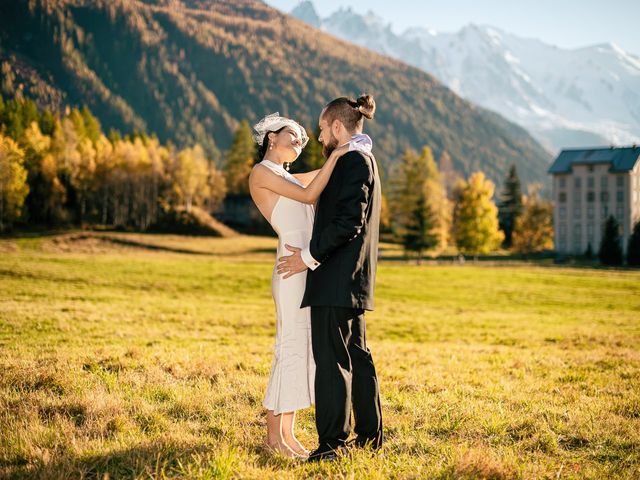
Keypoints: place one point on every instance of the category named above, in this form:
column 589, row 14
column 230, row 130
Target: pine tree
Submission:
column 92, row 127
column 420, row 208
column 17, row 115
column 633, row 247
column 533, row 229
column 588, row 253
column 239, row 160
column 13, row 181
column 610, row 252
column 417, row 235
column 77, row 119
column 510, row 205
column 476, row 216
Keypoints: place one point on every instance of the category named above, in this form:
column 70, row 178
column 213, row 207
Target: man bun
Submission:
column 350, row 112
column 366, row 106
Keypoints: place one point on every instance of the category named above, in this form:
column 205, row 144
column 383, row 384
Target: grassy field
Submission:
column 143, row 356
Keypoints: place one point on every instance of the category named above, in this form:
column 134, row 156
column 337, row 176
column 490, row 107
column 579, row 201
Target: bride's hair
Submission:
column 262, row 149
column 351, row 112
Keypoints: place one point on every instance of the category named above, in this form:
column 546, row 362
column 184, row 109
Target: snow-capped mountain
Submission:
column 564, row 97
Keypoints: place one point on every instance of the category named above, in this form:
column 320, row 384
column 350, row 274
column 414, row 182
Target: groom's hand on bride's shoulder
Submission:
column 291, row 264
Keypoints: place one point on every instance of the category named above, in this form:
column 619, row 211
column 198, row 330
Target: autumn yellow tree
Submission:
column 118, row 181
column 158, row 157
column 533, row 229
column 82, row 168
column 475, row 216
column 13, row 181
column 190, row 177
column 102, row 176
column 46, row 193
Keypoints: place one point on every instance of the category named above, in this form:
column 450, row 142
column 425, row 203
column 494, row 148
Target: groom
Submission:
column 342, row 259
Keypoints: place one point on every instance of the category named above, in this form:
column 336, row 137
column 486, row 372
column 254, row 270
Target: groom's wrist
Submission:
column 308, row 259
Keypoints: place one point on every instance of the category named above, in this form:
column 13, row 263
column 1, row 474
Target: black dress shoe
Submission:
column 326, row 453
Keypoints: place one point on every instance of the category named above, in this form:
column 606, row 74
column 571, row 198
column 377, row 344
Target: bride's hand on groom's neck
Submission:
column 340, row 151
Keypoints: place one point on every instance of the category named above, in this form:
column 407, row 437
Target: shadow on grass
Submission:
column 163, row 248
column 148, row 461
column 35, row 233
column 149, row 246
column 106, row 237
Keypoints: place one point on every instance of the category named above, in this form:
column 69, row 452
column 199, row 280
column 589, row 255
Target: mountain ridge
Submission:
column 564, row 97
column 189, row 71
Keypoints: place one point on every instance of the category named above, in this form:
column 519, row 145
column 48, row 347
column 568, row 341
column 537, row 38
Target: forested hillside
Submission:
column 190, row 71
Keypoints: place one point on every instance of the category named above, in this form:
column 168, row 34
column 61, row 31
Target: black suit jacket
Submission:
column 345, row 236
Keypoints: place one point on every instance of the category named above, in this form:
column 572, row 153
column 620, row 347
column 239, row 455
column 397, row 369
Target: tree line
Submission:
column 433, row 207
column 61, row 169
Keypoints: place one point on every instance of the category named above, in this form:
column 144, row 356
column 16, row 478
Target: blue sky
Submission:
column 566, row 23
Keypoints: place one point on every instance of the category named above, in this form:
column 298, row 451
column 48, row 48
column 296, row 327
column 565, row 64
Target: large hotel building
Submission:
column 589, row 185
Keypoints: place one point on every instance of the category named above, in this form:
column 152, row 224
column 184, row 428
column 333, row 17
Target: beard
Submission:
column 330, row 147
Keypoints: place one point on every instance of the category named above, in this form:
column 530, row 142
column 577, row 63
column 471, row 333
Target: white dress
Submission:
column 291, row 383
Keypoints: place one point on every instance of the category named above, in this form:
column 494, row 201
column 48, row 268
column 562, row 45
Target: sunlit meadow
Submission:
column 146, row 356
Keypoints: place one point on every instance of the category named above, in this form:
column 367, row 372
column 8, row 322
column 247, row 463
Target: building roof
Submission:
column 621, row 159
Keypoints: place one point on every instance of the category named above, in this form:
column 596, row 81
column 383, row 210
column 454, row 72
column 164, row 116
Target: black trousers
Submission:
column 345, row 378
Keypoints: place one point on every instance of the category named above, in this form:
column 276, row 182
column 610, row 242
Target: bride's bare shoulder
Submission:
column 259, row 171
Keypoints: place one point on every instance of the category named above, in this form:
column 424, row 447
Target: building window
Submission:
column 562, row 197
column 563, row 229
column 619, row 213
column 605, row 211
column 589, row 211
column 620, row 181
column 590, row 181
column 563, row 212
column 590, row 168
column 604, row 182
column 591, row 197
column 620, row 196
column 604, row 196
column 576, row 182
column 577, row 211
column 562, row 182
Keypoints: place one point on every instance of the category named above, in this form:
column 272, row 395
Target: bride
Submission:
column 286, row 201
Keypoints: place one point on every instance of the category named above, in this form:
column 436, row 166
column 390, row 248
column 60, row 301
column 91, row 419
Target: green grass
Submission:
column 147, row 356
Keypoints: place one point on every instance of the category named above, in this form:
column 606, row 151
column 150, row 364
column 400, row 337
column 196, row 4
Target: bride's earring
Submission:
column 287, row 165
column 271, row 146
